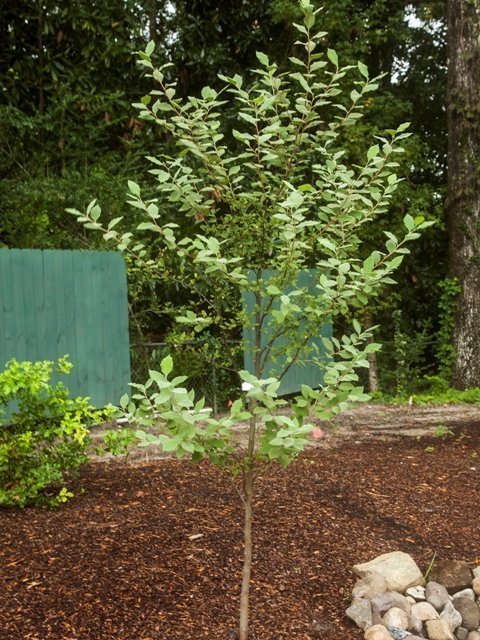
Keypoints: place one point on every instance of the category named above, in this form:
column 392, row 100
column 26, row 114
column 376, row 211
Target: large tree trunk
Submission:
column 463, row 202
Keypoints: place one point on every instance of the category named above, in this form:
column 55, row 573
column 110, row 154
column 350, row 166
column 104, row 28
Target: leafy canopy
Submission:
column 273, row 191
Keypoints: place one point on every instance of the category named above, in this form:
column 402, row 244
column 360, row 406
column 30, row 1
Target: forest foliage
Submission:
column 68, row 133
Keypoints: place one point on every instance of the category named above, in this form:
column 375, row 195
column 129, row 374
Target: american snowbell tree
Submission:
column 272, row 192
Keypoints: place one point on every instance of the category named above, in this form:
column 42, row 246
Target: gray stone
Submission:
column 473, row 635
column 439, row 630
column 469, row 611
column 398, row 634
column 360, row 611
column 418, row 593
column 476, row 585
column 461, row 633
column 424, row 611
column 389, row 599
column 396, row 617
column 399, row 570
column 415, row 624
column 377, row 632
column 467, row 593
column 369, row 587
column 436, row 595
column 455, row 575
column 451, row 615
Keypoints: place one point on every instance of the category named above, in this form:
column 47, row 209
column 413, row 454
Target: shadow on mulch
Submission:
column 154, row 551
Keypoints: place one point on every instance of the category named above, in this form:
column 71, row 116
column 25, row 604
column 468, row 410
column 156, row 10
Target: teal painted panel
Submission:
column 54, row 303
column 300, row 373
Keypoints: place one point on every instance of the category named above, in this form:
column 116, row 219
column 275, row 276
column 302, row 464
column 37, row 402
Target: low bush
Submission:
column 44, row 438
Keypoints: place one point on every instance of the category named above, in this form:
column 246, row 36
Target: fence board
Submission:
column 54, row 303
column 307, row 373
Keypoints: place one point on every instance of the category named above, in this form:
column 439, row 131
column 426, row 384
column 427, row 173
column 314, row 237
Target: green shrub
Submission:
column 45, row 438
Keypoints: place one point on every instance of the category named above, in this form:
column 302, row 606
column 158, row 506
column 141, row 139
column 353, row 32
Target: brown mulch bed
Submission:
column 154, row 551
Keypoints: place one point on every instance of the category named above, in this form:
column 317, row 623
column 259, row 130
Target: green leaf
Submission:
column 166, row 365
column 363, row 69
column 133, row 188
column 332, row 56
column 262, row 58
column 272, row 290
column 309, row 19
column 409, row 222
column 403, row 127
column 373, row 152
column 150, row 48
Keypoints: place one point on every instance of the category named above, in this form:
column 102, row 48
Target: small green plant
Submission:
column 429, row 449
column 430, row 566
column 46, row 436
column 118, row 442
column 442, row 431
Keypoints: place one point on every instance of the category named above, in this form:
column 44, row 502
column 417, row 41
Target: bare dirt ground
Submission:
column 153, row 550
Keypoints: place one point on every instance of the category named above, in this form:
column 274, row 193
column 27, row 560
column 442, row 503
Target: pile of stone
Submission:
column 392, row 600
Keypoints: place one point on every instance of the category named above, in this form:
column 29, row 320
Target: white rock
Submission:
column 437, row 595
column 389, row 599
column 476, row 585
column 464, row 593
column 452, row 616
column 360, row 611
column 476, row 572
column 473, row 635
column 439, row 630
column 399, row 570
column 424, row 611
column 418, row 593
column 396, row 617
column 369, row 587
column 377, row 632
column 410, row 600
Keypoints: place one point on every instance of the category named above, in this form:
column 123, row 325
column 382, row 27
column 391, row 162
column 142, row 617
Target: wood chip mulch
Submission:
column 154, row 551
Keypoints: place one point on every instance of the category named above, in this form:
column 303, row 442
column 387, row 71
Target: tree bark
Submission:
column 463, row 200
column 152, row 19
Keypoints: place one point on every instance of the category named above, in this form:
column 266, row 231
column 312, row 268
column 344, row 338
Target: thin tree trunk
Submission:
column 372, row 372
column 247, row 555
column 248, row 479
column 372, row 360
column 41, row 88
column 463, row 201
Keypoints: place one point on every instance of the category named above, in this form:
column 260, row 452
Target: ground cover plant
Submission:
column 44, row 438
column 252, row 206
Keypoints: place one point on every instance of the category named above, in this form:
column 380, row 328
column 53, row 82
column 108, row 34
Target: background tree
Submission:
column 464, row 183
column 67, row 131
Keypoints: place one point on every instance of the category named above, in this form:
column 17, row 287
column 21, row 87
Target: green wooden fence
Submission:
column 306, row 372
column 54, row 303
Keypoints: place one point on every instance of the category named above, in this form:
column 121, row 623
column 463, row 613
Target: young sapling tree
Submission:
column 250, row 206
